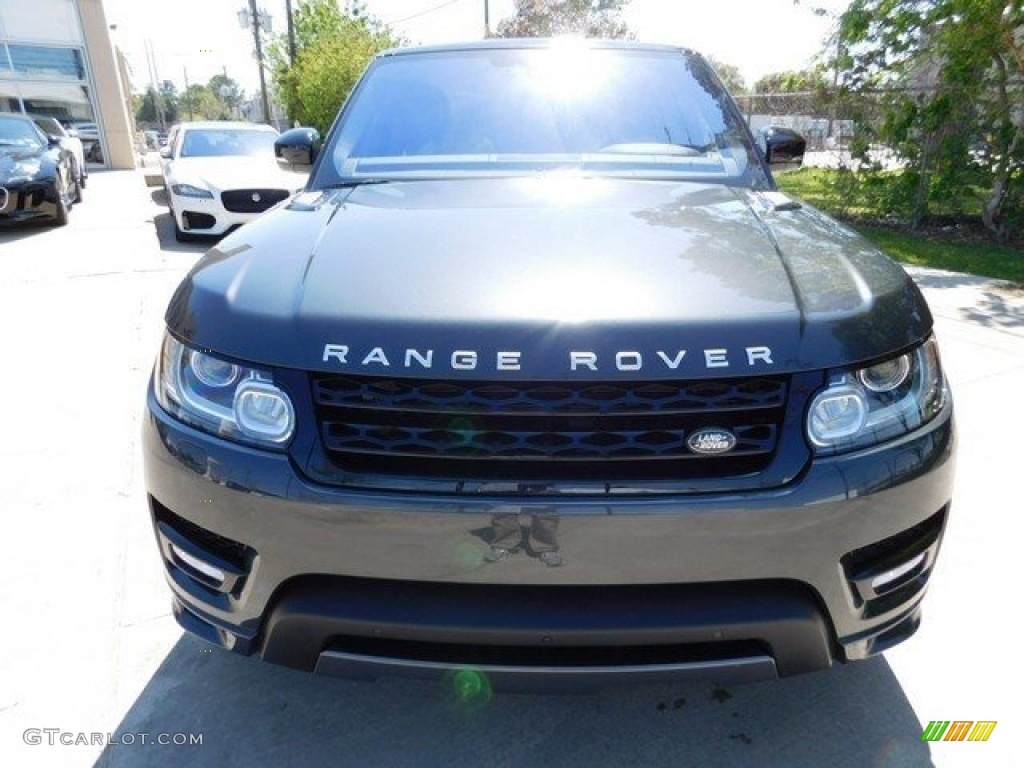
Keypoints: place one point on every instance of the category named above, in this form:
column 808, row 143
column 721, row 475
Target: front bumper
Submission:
column 740, row 586
column 28, row 200
column 207, row 216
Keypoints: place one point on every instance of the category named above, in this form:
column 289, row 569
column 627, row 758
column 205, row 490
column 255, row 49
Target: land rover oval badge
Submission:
column 711, row 440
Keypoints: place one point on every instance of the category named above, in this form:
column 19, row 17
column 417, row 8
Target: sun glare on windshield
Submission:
column 568, row 70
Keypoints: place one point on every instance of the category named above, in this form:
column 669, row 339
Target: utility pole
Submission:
column 259, row 59
column 188, row 98
column 291, row 32
column 487, row 18
column 155, row 84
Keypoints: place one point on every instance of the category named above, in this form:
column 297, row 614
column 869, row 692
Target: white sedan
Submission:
column 220, row 175
column 70, row 141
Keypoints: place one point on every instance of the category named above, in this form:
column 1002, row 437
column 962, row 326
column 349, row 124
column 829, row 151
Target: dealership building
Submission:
column 57, row 59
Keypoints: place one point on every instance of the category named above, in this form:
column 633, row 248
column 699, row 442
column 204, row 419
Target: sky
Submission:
column 202, row 38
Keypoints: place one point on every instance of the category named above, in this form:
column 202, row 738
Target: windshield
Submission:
column 641, row 113
column 19, row 133
column 218, row 142
column 48, row 125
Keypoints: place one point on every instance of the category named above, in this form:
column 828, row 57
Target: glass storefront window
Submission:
column 67, row 103
column 9, row 97
column 44, row 61
column 51, row 20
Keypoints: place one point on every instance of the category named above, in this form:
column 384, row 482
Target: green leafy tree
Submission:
column 548, row 18
column 200, row 102
column 951, row 74
column 730, row 75
column 153, row 102
column 169, row 99
column 229, row 92
column 800, row 92
column 803, row 81
column 332, row 48
column 146, row 108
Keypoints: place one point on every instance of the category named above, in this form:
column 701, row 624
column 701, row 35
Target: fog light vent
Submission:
column 889, row 573
column 212, row 572
column 212, row 564
column 892, row 578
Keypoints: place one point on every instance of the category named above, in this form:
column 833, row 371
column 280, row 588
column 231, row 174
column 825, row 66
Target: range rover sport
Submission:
column 541, row 377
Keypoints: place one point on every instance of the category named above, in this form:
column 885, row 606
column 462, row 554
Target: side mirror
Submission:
column 783, row 148
column 297, row 147
column 72, row 133
column 53, row 139
column 165, row 152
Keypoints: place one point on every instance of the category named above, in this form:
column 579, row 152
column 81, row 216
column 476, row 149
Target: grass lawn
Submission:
column 928, row 248
column 976, row 258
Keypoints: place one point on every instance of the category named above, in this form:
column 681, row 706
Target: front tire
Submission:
column 60, row 218
column 79, row 183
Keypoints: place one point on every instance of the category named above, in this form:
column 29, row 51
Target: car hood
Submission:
column 13, row 160
column 541, row 278
column 221, row 173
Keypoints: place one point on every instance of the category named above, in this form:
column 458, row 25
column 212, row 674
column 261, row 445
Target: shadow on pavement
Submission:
column 165, row 233
column 998, row 308
column 989, row 304
column 9, row 232
column 251, row 713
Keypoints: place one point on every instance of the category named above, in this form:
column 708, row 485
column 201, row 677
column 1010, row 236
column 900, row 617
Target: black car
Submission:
column 782, row 145
column 541, row 381
column 37, row 174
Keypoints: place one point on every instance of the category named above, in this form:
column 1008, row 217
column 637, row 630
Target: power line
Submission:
column 423, row 13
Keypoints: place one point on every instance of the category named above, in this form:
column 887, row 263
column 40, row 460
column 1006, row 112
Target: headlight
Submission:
column 227, row 399
column 24, row 170
column 881, row 402
column 187, row 190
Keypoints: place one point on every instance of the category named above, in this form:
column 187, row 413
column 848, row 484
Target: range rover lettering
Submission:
column 541, row 377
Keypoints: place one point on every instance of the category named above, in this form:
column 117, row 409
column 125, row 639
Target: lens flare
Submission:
column 469, row 688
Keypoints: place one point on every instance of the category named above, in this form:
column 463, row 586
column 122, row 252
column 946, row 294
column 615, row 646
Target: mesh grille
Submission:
column 241, row 200
column 554, row 431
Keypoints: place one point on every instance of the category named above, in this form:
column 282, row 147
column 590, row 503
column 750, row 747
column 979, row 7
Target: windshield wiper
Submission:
column 657, row 148
column 352, row 183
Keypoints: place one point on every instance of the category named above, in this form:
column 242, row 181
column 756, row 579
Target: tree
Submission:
column 229, row 92
column 169, row 100
column 332, row 48
column 153, row 102
column 951, row 74
column 800, row 92
column 200, row 102
column 147, row 110
column 803, row 81
column 730, row 75
column 548, row 18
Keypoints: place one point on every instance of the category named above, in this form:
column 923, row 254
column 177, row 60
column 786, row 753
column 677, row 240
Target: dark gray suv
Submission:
column 541, row 381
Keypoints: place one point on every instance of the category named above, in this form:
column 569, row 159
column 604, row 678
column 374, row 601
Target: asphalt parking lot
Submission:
column 88, row 645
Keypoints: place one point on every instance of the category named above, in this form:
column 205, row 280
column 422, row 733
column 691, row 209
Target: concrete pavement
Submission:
column 88, row 644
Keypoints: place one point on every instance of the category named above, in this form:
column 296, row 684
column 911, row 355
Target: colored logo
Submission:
column 958, row 730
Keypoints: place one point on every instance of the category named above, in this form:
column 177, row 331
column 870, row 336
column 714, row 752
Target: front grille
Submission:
column 552, row 431
column 251, row 200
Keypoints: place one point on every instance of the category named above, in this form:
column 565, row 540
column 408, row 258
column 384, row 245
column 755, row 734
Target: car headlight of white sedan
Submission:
column 189, row 190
